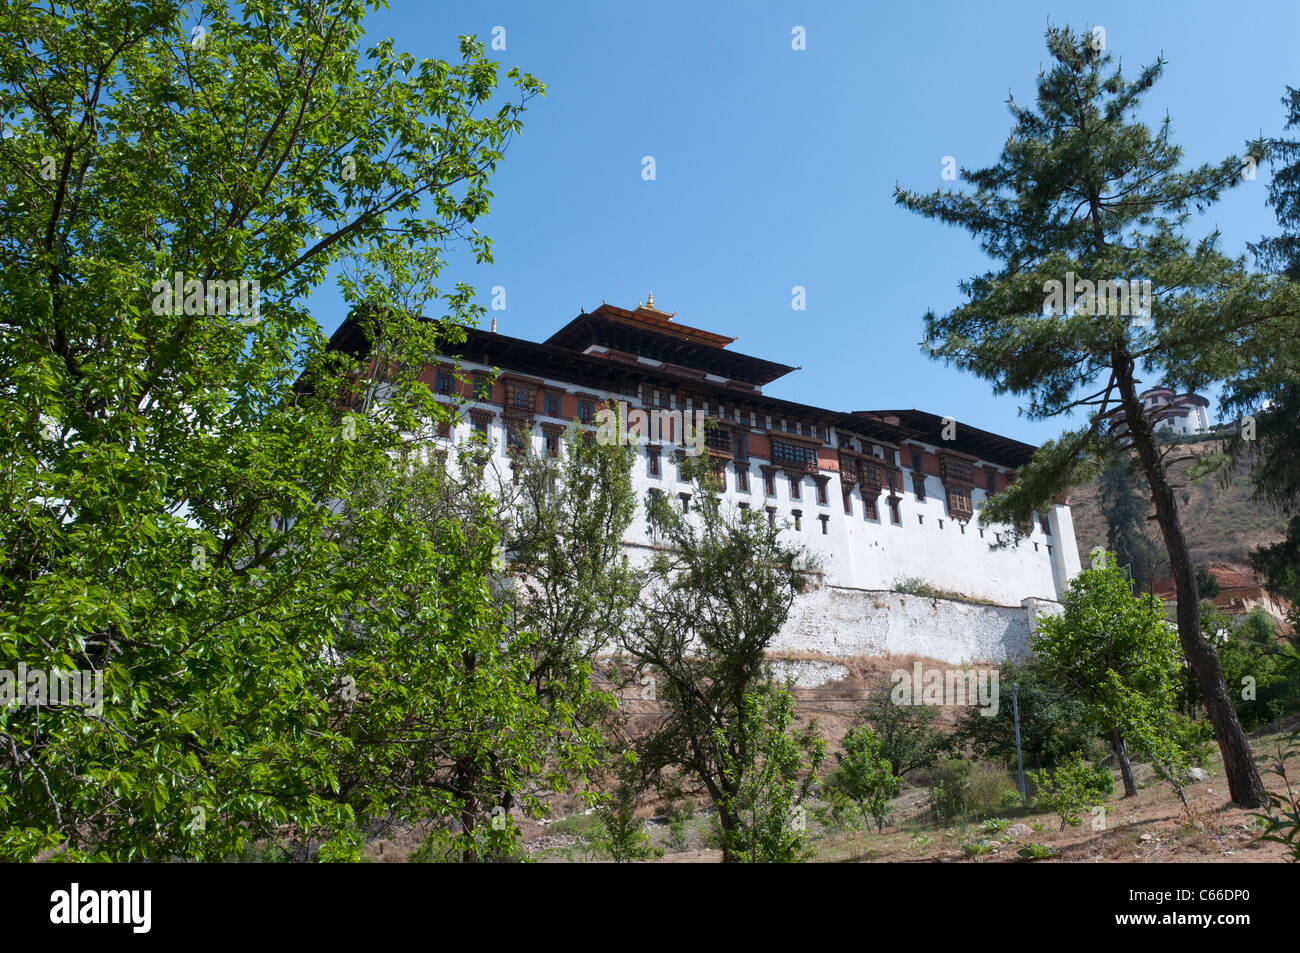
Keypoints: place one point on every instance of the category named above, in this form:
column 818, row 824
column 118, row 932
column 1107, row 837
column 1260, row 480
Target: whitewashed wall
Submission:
column 862, row 559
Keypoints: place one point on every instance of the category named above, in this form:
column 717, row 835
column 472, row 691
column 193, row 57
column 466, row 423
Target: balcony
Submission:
column 957, row 471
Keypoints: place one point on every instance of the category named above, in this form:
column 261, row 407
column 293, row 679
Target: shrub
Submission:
column 1071, row 788
column 961, row 789
column 862, row 776
column 1037, row 852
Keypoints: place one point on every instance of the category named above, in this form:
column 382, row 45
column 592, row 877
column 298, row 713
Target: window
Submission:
column 550, row 403
column 894, row 515
column 686, row 501
column 1042, row 521
column 769, row 483
column 482, row 388
column 821, row 490
column 959, row 506
column 740, row 446
column 442, row 381
column 990, row 481
column 652, row 461
column 771, row 516
column 798, row 518
column 825, row 522
column 918, row 477
column 742, row 477
column 848, row 502
column 552, row 445
column 520, row 396
column 790, row 453
column 586, row 410
column 795, row 480
column 715, row 438
column 869, row 510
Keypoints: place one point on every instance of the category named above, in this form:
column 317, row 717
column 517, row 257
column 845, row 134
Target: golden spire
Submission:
column 650, row 300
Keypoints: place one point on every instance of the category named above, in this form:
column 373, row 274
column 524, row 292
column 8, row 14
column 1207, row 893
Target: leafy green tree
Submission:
column 722, row 585
column 1053, row 723
column 908, row 739
column 621, row 836
column 766, row 801
column 1115, row 652
column 179, row 461
column 863, row 776
column 1087, row 198
column 568, row 581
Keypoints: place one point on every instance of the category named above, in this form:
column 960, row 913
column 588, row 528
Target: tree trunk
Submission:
column 1244, row 782
column 1125, row 768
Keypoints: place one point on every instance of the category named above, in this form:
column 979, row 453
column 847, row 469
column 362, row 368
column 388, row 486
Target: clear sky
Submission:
column 775, row 167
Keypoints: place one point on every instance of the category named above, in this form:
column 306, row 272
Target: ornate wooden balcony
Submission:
column 955, row 470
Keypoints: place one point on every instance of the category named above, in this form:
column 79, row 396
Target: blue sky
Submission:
column 775, row 168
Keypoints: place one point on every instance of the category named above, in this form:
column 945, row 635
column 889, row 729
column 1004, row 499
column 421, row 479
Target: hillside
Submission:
column 1222, row 522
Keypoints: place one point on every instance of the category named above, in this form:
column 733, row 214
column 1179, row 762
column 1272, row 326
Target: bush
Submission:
column 1071, row 788
column 1037, row 852
column 961, row 790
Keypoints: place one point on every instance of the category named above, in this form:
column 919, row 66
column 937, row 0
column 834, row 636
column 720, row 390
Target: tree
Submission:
column 1125, row 512
column 907, row 739
column 179, row 460
column 770, row 785
column 1087, row 198
column 569, row 582
column 1052, row 722
column 863, row 776
column 722, row 583
column 1115, row 652
column 1267, row 393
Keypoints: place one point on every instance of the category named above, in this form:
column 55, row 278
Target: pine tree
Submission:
column 1270, row 390
column 1085, row 207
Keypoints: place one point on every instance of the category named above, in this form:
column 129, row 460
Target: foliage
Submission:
column 1052, row 722
column 1069, row 789
column 621, row 836
column 863, row 776
column 1115, row 652
column 1282, row 821
column 1037, row 852
column 722, row 585
column 961, row 789
column 769, row 819
column 178, row 474
column 568, row 582
column 1206, row 584
column 907, row 738
column 1087, row 197
column 1124, row 508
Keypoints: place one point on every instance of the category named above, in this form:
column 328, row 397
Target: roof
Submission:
column 928, row 428
column 604, row 370
column 646, row 332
